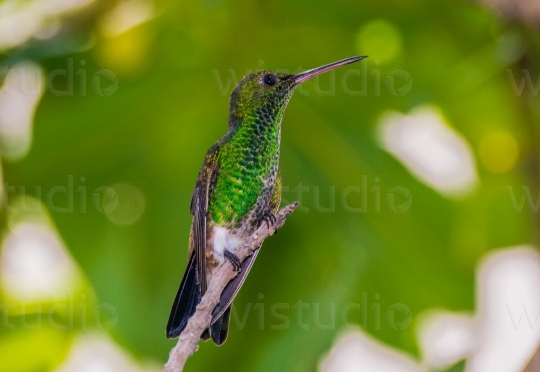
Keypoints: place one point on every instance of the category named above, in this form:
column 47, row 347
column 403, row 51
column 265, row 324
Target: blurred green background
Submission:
column 148, row 97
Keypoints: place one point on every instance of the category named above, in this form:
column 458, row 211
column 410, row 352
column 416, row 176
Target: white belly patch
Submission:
column 224, row 240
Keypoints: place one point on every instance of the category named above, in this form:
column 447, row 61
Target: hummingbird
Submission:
column 238, row 189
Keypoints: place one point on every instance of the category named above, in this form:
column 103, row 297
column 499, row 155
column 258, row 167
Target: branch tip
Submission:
column 189, row 339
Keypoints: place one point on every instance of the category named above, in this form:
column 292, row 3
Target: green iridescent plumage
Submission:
column 247, row 156
column 238, row 188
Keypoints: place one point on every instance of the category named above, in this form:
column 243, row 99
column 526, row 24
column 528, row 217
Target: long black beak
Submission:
column 303, row 76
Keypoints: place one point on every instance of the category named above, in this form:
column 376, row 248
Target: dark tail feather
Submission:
column 206, row 334
column 187, row 298
column 232, row 288
column 220, row 329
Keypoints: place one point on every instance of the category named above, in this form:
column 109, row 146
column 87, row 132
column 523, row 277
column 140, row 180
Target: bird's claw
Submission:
column 269, row 218
column 234, row 260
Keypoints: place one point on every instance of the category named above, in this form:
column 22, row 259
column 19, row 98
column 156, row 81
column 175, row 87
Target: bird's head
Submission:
column 265, row 94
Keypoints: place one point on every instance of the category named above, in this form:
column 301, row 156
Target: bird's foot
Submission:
column 269, row 218
column 234, row 260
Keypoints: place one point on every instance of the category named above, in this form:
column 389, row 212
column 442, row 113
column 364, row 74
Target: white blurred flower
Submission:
column 34, row 264
column 430, row 150
column 21, row 20
column 502, row 336
column 126, row 15
column 98, row 353
column 19, row 97
column 355, row 351
column 504, row 333
column 508, row 303
column 445, row 338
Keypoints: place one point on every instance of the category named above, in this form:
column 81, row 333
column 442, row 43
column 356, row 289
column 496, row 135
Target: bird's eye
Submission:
column 269, row 79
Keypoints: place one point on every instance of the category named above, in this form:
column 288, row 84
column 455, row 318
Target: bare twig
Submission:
column 224, row 273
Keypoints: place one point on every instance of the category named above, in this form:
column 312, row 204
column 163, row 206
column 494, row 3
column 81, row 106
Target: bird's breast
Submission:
column 240, row 184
